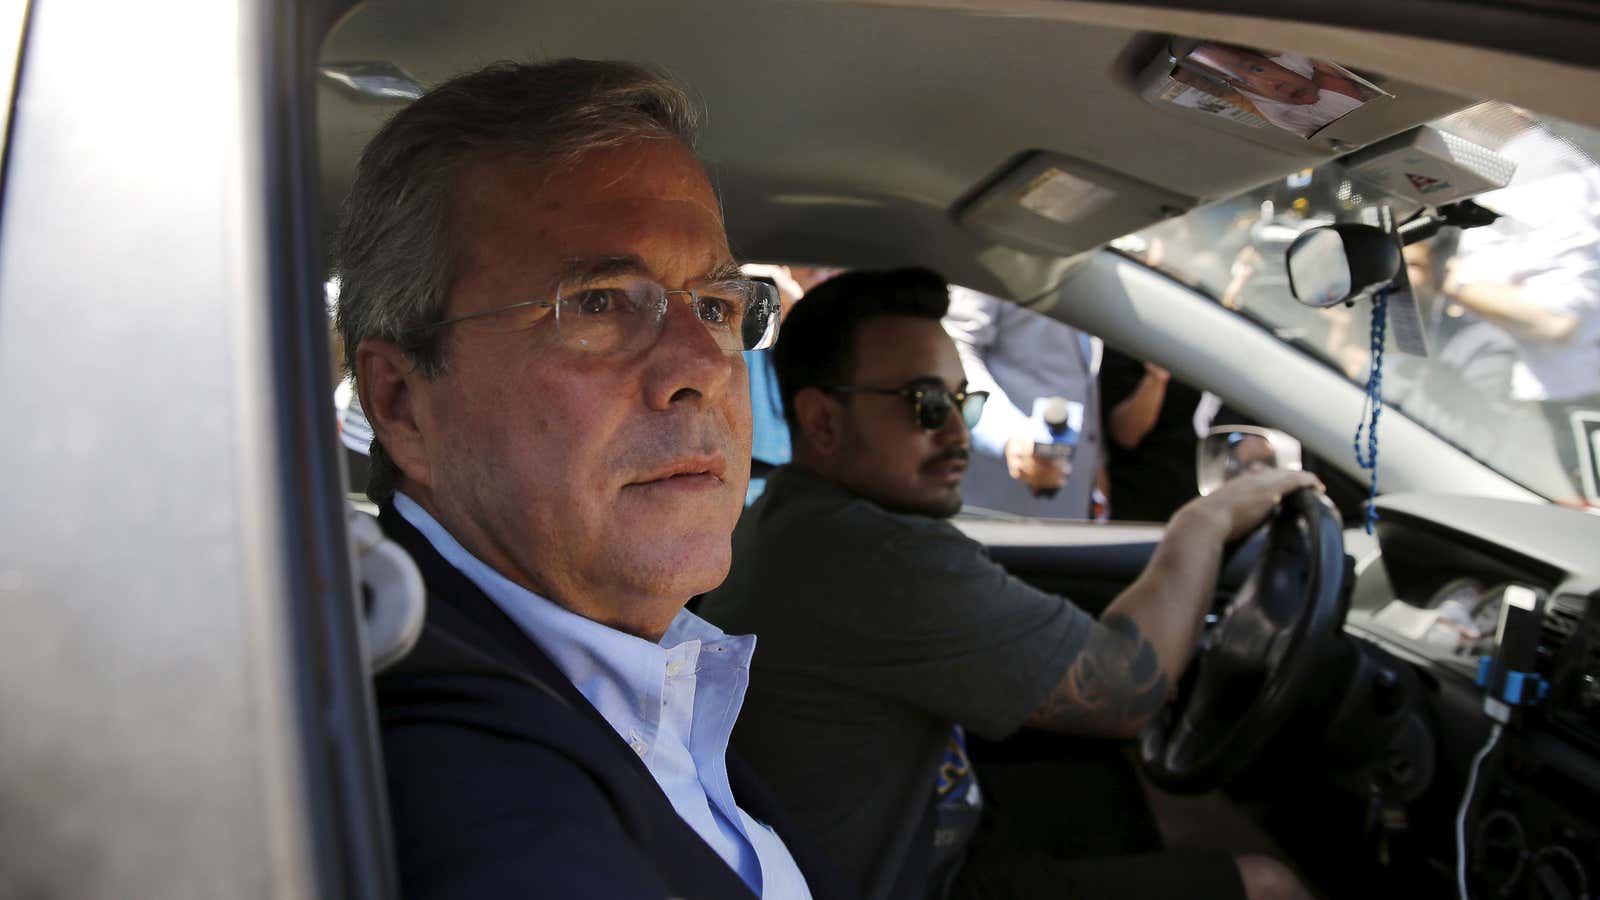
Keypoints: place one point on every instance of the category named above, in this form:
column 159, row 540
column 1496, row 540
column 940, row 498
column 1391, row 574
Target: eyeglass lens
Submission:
column 934, row 408
column 972, row 409
column 628, row 315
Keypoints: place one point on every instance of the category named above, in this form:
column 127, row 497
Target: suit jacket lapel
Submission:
column 454, row 601
column 507, row 642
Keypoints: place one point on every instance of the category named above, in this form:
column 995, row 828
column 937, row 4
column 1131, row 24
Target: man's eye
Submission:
column 717, row 310
column 600, row 301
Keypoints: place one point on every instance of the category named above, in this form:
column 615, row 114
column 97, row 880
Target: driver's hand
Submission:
column 1036, row 472
column 1242, row 503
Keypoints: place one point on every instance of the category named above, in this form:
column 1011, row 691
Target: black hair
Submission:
column 816, row 345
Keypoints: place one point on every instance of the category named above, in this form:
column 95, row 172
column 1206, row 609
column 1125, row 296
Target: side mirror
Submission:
column 1233, row 450
column 1342, row 263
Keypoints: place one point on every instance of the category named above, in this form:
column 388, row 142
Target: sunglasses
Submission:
column 931, row 404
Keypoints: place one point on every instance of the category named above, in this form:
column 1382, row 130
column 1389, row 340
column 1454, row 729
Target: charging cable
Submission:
column 1466, row 804
column 1511, row 681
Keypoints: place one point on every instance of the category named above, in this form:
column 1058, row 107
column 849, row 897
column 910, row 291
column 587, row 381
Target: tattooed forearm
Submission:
column 1112, row 688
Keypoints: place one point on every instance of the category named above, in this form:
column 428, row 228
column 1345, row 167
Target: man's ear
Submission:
column 820, row 418
column 388, row 382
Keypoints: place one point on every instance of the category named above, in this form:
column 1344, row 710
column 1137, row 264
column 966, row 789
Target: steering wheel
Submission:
column 1260, row 661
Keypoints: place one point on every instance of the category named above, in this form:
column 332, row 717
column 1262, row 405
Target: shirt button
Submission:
column 640, row 748
column 674, row 669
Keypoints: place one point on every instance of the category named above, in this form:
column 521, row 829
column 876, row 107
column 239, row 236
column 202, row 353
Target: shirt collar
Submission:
column 595, row 657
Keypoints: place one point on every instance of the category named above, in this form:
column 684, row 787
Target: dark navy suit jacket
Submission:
column 504, row 782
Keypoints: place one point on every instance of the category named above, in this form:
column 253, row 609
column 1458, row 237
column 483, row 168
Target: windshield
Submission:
column 1510, row 313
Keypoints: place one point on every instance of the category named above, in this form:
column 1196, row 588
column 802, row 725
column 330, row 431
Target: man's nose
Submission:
column 685, row 362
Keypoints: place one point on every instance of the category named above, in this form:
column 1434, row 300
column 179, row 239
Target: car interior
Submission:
column 844, row 133
column 899, row 133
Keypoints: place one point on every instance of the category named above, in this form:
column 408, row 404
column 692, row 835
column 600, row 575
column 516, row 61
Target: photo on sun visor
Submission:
column 1260, row 88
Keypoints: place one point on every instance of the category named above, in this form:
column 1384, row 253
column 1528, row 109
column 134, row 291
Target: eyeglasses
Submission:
column 931, row 405
column 626, row 315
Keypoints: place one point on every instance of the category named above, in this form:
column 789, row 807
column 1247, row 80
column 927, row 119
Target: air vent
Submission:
column 1561, row 618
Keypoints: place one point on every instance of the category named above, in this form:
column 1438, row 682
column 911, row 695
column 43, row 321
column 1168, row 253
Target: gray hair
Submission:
column 395, row 258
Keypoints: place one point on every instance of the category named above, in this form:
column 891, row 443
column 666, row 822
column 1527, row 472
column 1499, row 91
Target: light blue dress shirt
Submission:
column 673, row 702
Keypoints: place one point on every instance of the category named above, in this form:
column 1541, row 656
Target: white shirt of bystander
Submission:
column 1548, row 243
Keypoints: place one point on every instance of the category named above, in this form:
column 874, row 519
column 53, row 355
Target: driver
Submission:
column 885, row 632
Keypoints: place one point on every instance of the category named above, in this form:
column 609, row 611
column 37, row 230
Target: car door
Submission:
column 185, row 709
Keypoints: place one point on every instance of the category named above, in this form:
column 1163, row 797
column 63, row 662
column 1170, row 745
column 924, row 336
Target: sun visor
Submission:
column 1047, row 203
column 1275, row 97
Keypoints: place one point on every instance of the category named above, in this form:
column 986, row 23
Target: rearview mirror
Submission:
column 1230, row 451
column 1342, row 263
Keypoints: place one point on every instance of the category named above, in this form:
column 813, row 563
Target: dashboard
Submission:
column 1431, row 592
column 1435, row 588
column 1406, row 719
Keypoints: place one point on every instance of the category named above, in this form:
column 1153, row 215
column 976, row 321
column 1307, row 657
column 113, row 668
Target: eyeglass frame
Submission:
column 915, row 391
column 768, row 294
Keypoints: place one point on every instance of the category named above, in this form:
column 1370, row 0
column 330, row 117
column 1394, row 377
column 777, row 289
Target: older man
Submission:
column 545, row 324
column 887, row 632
